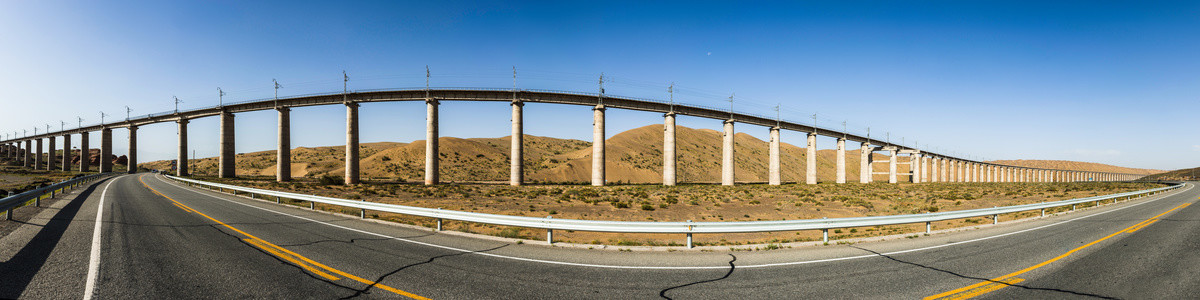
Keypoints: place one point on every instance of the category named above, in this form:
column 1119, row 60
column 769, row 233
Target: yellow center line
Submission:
column 1132, row 230
column 291, row 256
column 310, row 268
column 1002, row 279
column 987, row 288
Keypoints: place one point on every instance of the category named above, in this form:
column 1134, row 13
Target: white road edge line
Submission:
column 94, row 258
column 1189, row 187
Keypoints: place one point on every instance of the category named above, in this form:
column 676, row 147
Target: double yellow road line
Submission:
column 314, row 267
column 1010, row 279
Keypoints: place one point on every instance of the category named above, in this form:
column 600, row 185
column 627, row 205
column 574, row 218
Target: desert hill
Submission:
column 634, row 156
column 1181, row 174
column 1074, row 165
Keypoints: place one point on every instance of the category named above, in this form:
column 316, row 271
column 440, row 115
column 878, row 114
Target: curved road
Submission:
column 158, row 239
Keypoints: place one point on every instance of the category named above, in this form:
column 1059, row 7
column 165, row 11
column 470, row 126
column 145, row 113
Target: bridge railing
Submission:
column 36, row 195
column 688, row 228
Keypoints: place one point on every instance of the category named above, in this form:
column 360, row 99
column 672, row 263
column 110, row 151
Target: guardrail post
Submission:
column 549, row 233
column 689, row 235
column 1044, row 211
column 825, row 235
column 8, row 215
column 439, row 222
column 362, row 213
column 928, row 227
column 277, row 200
column 1072, row 207
column 312, row 205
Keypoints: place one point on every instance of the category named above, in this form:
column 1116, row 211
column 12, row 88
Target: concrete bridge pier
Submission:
column 924, row 168
column 132, row 161
column 950, row 166
column 933, row 169
column 864, row 163
column 810, row 173
column 51, row 157
column 37, row 154
column 181, row 155
column 516, row 164
column 967, row 172
column 962, row 171
column 841, row 161
column 28, row 155
column 774, row 176
column 939, row 165
column 727, row 176
column 352, row 145
column 85, row 153
column 106, row 163
column 226, row 158
column 283, row 145
column 66, row 155
column 598, row 146
column 431, row 142
column 892, row 165
column 915, row 167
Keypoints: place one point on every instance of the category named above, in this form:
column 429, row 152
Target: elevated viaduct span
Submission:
column 924, row 166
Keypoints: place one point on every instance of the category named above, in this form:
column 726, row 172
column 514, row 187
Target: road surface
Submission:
column 157, row 239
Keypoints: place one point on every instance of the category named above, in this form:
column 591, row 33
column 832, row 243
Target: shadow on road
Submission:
column 980, row 278
column 22, row 267
column 663, row 293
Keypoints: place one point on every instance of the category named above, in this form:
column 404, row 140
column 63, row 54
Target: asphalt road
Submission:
column 161, row 240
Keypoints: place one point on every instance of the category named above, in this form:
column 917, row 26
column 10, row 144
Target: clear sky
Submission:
column 1109, row 82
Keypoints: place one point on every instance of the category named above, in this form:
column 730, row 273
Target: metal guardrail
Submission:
column 687, row 228
column 36, row 195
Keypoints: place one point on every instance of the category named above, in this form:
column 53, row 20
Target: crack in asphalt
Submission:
column 981, row 278
column 430, row 260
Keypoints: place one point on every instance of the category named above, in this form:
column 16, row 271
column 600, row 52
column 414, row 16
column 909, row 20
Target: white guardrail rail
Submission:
column 688, row 228
column 36, row 195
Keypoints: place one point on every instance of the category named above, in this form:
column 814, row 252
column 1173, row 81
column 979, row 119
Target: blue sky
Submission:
column 1109, row 82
